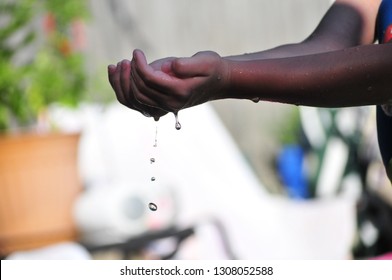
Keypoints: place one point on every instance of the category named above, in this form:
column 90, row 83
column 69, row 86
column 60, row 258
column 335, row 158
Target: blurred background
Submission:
column 239, row 180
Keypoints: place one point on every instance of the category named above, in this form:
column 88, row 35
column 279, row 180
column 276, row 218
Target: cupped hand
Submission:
column 173, row 84
column 120, row 80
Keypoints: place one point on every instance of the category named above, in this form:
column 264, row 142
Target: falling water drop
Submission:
column 156, row 136
column 152, row 206
column 178, row 125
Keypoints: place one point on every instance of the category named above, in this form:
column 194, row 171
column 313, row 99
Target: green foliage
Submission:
column 54, row 72
column 65, row 11
column 288, row 132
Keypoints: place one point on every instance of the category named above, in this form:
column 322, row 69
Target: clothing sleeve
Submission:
column 384, row 112
column 384, row 134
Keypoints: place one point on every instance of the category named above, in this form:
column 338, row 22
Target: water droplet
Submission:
column 156, row 136
column 152, row 206
column 153, row 179
column 370, row 88
column 178, row 125
column 152, row 160
column 256, row 99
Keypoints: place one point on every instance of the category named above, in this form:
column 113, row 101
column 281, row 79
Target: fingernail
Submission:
column 111, row 68
column 125, row 62
column 135, row 54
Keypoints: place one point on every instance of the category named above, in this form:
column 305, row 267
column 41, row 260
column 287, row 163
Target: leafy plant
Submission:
column 44, row 32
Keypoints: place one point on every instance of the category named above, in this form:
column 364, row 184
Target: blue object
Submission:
column 384, row 21
column 384, row 122
column 291, row 171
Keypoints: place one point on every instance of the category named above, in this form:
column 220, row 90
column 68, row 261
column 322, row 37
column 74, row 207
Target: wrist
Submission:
column 243, row 80
column 223, row 80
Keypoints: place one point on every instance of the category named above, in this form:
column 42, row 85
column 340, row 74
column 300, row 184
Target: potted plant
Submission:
column 40, row 64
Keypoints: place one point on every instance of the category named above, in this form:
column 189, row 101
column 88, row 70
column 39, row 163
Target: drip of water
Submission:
column 256, row 99
column 178, row 125
column 152, row 206
column 156, row 136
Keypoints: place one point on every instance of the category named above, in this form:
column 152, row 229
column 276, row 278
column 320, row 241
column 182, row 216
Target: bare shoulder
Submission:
column 368, row 10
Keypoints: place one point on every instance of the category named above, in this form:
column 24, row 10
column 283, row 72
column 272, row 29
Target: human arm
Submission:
column 340, row 68
column 186, row 82
column 349, row 77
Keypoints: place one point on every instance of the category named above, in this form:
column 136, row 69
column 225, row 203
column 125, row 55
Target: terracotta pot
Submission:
column 39, row 183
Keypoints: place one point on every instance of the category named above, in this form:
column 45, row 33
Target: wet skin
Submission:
column 336, row 66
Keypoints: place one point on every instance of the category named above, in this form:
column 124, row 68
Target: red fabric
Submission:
column 387, row 256
column 388, row 34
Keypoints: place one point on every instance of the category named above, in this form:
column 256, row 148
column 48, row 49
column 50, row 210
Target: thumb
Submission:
column 197, row 65
column 139, row 57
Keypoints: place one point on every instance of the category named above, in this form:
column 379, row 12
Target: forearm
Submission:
column 284, row 51
column 278, row 52
column 350, row 77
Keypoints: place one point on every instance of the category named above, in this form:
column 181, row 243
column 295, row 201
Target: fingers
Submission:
column 170, row 92
column 166, row 67
column 114, row 79
column 124, row 76
column 157, row 88
column 140, row 90
column 198, row 65
column 149, row 85
column 157, row 79
column 124, row 69
column 119, row 78
column 187, row 67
